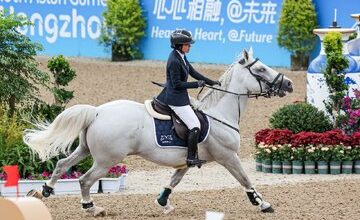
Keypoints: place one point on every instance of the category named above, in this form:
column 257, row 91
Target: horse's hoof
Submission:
column 96, row 211
column 166, row 208
column 35, row 193
column 268, row 210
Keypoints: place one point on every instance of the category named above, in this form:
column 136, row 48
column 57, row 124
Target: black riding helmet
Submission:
column 180, row 37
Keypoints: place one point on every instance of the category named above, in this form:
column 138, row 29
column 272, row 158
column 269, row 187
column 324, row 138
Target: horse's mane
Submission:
column 212, row 96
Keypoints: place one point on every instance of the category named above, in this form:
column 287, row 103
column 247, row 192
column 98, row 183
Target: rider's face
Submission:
column 186, row 48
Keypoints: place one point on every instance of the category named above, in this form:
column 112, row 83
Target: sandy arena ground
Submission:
column 211, row 187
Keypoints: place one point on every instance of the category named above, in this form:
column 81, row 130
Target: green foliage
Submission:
column 334, row 74
column 300, row 117
column 63, row 74
column 123, row 29
column 297, row 21
column 84, row 165
column 353, row 36
column 19, row 76
column 61, row 70
column 14, row 151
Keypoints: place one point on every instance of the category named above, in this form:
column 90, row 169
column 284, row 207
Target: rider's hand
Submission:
column 201, row 83
column 217, row 83
column 214, row 83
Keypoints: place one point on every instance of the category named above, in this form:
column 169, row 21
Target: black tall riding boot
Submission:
column 192, row 159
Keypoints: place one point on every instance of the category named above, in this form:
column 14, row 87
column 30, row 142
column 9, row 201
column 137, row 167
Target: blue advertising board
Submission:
column 221, row 29
column 68, row 27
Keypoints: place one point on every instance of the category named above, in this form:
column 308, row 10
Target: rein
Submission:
column 266, row 94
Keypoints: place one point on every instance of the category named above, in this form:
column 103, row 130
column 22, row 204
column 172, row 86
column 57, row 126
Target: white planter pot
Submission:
column 72, row 186
column 24, row 187
column 62, row 187
column 111, row 185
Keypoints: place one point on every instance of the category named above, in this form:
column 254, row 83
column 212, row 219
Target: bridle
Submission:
column 274, row 88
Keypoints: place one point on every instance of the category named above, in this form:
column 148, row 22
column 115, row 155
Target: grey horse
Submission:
column 116, row 129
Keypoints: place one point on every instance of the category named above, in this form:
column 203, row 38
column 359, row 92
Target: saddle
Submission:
column 178, row 125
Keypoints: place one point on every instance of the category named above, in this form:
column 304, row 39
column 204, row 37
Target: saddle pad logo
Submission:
column 165, row 135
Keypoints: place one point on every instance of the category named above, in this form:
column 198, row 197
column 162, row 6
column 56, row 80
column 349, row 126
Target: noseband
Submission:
column 273, row 86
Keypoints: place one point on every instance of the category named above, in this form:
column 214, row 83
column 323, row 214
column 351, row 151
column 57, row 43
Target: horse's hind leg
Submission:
column 163, row 198
column 232, row 163
column 86, row 181
column 62, row 165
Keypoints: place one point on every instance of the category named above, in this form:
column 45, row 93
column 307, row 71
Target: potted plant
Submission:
column 66, row 185
column 347, row 160
column 115, row 179
column 337, row 153
column 296, row 23
column 322, row 157
column 298, row 158
column 286, row 152
column 309, row 163
column 124, row 27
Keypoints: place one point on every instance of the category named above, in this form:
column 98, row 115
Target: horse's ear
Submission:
column 251, row 52
column 245, row 55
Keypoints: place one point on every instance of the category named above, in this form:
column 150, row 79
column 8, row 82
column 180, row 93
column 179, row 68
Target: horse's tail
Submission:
column 49, row 140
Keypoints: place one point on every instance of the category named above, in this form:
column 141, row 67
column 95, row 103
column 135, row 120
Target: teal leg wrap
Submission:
column 163, row 196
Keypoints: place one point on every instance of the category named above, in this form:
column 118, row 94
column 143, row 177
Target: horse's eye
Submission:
column 262, row 70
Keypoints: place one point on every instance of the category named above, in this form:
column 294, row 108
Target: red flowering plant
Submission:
column 272, row 143
column 117, row 171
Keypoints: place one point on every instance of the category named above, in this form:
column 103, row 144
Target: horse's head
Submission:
column 259, row 78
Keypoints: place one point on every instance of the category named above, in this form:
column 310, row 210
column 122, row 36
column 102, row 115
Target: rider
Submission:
column 175, row 93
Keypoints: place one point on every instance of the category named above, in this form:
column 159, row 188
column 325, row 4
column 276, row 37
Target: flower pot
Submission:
column 309, row 167
column 276, row 167
column 72, row 186
column 347, row 166
column 258, row 164
column 24, row 187
column 297, row 167
column 323, row 167
column 111, row 185
column 335, row 167
column 357, row 166
column 266, row 166
column 286, row 167
column 62, row 187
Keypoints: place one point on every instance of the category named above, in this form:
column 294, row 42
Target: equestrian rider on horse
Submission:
column 175, row 93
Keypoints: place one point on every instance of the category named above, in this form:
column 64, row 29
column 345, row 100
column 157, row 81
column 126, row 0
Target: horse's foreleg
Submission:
column 233, row 165
column 163, row 198
column 86, row 181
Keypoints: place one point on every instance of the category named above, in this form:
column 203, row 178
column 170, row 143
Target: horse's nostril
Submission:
column 289, row 83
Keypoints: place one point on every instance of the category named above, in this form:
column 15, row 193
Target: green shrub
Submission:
column 300, row 117
column 124, row 27
column 296, row 23
column 63, row 74
column 13, row 151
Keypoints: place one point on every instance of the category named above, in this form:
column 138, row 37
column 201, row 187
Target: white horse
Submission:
column 116, row 129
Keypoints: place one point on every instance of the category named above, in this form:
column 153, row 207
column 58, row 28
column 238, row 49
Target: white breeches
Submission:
column 187, row 115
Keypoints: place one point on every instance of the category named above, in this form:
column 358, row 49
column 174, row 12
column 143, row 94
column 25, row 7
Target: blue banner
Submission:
column 68, row 27
column 221, row 29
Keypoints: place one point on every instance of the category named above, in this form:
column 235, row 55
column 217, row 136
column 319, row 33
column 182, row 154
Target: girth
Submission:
column 178, row 125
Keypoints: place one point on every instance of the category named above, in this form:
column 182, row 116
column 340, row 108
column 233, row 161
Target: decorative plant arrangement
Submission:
column 301, row 152
column 306, row 140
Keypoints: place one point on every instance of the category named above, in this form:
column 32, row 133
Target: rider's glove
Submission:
column 201, row 83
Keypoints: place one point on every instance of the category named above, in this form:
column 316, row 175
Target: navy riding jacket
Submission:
column 175, row 91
